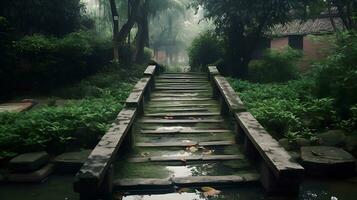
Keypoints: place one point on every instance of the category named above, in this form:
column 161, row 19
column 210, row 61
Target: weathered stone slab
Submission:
column 183, row 105
column 186, row 144
column 150, row 70
column 142, row 183
column 183, row 91
column 180, row 95
column 175, row 99
column 158, row 80
column 327, row 161
column 28, row 162
column 183, row 88
column 35, row 176
column 217, row 143
column 181, row 114
column 71, row 161
column 137, row 94
column 180, row 110
column 16, row 107
column 186, row 158
column 184, row 131
column 180, row 121
column 276, row 157
column 234, row 103
column 215, row 180
column 93, row 171
column 212, row 70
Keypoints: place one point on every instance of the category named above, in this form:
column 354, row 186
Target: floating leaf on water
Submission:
column 209, row 191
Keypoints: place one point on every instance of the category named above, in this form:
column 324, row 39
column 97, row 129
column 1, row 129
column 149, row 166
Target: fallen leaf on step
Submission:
column 168, row 117
column 145, row 154
column 192, row 149
column 182, row 190
column 207, row 151
column 209, row 191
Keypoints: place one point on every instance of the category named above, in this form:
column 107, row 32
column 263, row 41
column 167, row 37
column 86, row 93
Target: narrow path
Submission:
column 183, row 140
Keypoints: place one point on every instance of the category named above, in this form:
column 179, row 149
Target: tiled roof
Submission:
column 310, row 26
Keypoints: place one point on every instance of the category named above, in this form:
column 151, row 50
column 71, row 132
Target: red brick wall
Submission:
column 279, row 43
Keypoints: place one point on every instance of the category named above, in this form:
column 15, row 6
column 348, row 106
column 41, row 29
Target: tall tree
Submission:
column 115, row 18
column 243, row 23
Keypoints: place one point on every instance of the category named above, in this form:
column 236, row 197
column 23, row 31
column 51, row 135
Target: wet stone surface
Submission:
column 182, row 134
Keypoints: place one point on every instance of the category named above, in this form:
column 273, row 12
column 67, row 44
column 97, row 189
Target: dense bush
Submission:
column 205, row 49
column 77, row 124
column 56, row 17
column 275, row 66
column 45, row 62
column 337, row 75
column 288, row 109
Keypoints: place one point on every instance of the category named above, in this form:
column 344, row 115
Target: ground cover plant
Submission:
column 322, row 100
column 77, row 124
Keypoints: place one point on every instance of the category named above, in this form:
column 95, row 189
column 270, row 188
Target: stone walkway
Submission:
column 183, row 140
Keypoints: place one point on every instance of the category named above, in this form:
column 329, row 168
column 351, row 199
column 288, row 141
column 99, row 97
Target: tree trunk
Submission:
column 115, row 18
column 142, row 37
column 331, row 17
column 125, row 30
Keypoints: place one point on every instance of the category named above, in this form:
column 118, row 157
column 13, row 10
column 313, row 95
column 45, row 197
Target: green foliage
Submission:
column 243, row 23
column 40, row 58
column 56, row 17
column 275, row 66
column 288, row 109
column 337, row 75
column 204, row 50
column 77, row 124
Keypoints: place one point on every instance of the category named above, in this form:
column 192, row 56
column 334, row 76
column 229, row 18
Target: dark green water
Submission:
column 60, row 188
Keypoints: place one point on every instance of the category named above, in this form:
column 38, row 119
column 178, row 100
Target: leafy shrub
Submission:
column 289, row 109
column 46, row 62
column 56, row 17
column 77, row 124
column 337, row 75
column 204, row 50
column 275, row 66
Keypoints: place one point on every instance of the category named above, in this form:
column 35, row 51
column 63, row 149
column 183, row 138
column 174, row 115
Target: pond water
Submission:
column 60, row 188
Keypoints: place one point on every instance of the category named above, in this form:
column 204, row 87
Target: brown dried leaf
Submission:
column 209, row 191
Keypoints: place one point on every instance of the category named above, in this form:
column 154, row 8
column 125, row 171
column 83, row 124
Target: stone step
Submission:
column 155, row 99
column 179, row 81
column 181, row 95
column 180, row 121
column 35, row 176
column 199, row 105
column 183, row 131
column 183, row 91
column 186, row 114
column 192, row 88
column 28, row 162
column 186, row 158
column 191, row 181
column 178, row 110
column 186, row 144
column 184, row 77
